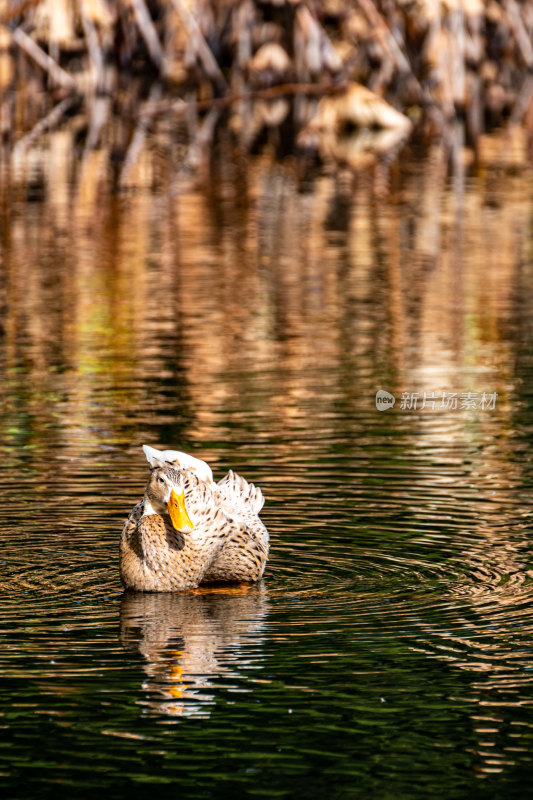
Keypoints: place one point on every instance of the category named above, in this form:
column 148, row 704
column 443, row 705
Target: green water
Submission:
column 250, row 321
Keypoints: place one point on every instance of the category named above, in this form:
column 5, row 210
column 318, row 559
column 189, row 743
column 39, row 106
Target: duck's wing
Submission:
column 245, row 551
column 238, row 497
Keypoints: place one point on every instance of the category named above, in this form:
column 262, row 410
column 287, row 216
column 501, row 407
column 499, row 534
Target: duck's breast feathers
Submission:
column 131, row 523
column 237, row 495
column 175, row 458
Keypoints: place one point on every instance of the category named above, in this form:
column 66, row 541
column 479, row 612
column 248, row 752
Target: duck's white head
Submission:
column 162, row 458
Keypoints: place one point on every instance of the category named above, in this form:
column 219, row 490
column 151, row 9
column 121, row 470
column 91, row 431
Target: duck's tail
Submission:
column 236, row 491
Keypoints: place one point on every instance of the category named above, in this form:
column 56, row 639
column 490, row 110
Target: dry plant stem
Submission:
column 474, row 112
column 191, row 116
column 380, row 79
column 389, row 43
column 200, row 45
column 98, row 109
column 243, row 19
column 523, row 40
column 457, row 26
column 180, row 107
column 197, row 151
column 329, row 57
column 307, row 43
column 17, row 10
column 41, row 58
column 522, row 101
column 139, row 136
column 95, row 51
column 316, row 52
column 44, row 124
column 149, row 34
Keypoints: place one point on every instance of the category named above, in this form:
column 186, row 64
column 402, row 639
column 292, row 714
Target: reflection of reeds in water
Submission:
column 249, row 297
column 193, row 644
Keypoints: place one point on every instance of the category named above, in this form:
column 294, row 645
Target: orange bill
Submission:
column 178, row 513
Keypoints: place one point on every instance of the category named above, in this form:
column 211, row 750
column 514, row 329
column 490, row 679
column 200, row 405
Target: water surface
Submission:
column 250, row 319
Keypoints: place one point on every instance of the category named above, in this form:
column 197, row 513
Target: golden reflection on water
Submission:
column 262, row 305
column 415, row 291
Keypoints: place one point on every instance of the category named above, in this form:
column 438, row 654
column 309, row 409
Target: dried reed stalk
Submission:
column 57, row 73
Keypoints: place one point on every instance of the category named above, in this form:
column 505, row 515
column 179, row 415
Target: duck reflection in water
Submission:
column 190, row 641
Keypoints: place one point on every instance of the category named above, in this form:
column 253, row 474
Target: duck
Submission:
column 189, row 530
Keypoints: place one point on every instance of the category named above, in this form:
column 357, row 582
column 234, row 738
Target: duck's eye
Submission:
column 160, row 479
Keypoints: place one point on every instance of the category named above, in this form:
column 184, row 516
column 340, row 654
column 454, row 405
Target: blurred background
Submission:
column 223, row 228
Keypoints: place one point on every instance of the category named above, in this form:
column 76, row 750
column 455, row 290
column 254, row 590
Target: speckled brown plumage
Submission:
column 227, row 543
